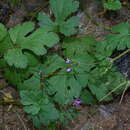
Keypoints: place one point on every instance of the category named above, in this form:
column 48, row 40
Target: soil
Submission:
column 110, row 116
column 113, row 115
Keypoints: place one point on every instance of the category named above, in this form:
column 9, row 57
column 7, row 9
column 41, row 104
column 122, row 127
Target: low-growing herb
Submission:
column 52, row 85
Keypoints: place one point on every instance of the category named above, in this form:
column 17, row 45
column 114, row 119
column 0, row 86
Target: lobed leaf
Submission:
column 63, row 8
column 78, row 46
column 19, row 32
column 22, row 38
column 69, row 27
column 45, row 22
column 112, row 5
column 5, row 42
column 69, row 86
column 16, row 57
column 3, row 32
column 120, row 38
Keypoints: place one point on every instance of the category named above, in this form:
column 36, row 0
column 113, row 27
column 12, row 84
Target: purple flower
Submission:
column 67, row 61
column 69, row 69
column 77, row 102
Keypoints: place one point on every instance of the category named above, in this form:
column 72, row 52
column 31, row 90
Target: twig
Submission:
column 123, row 94
column 15, row 102
column 119, row 56
column 25, row 128
column 113, row 90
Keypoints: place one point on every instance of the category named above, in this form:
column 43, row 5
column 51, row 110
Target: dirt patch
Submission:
column 111, row 116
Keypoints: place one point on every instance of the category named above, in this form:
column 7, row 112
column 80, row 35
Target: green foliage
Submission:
column 61, row 87
column 14, row 3
column 119, row 39
column 3, row 31
column 20, row 41
column 78, row 46
column 62, row 9
column 102, row 81
column 112, row 4
column 36, row 102
column 47, row 82
column 5, row 42
column 71, row 83
column 87, row 97
column 16, row 76
column 38, row 106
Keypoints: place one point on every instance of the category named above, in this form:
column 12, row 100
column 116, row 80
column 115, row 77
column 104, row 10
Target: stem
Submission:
column 120, row 85
column 122, row 54
column 21, row 120
column 123, row 94
column 16, row 102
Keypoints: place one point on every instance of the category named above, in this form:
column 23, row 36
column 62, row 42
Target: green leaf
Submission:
column 15, row 77
column 87, row 97
column 5, row 42
column 119, row 40
column 26, row 98
column 22, row 38
column 38, row 40
column 31, row 84
column 78, row 46
column 84, row 63
column 16, row 57
column 68, row 28
column 63, row 8
column 52, row 126
column 65, row 88
column 100, row 92
column 18, row 33
column 45, row 22
column 122, row 28
column 70, row 84
column 33, row 109
column 48, row 113
column 52, row 64
column 102, row 82
column 36, row 104
column 3, row 32
column 103, row 51
column 112, row 5
column 33, row 60
column 36, row 121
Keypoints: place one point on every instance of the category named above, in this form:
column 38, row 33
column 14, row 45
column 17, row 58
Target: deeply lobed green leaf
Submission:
column 22, row 38
column 62, row 9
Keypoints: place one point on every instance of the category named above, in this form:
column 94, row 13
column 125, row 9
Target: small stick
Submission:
column 112, row 91
column 123, row 94
column 25, row 128
column 119, row 56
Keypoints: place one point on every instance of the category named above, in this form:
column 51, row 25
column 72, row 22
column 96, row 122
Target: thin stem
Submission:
column 122, row 54
column 123, row 94
column 113, row 90
column 21, row 120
